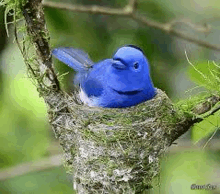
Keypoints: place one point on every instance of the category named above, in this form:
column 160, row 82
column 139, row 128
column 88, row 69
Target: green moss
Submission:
column 13, row 7
column 68, row 167
column 120, row 126
column 187, row 106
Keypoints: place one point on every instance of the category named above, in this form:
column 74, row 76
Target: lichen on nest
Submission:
column 115, row 150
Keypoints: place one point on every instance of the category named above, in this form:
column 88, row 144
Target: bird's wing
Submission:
column 93, row 87
column 74, row 58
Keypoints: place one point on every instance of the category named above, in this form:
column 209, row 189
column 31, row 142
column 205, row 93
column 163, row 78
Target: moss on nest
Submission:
column 115, row 150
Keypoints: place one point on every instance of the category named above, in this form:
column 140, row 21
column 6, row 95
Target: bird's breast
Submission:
column 90, row 101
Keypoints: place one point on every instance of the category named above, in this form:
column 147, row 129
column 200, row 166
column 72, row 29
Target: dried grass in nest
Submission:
column 113, row 150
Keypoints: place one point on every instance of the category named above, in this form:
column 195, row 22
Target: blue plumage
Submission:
column 122, row 81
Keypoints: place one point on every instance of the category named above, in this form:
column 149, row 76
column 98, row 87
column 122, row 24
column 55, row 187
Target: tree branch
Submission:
column 130, row 11
column 28, row 167
column 36, row 28
column 94, row 9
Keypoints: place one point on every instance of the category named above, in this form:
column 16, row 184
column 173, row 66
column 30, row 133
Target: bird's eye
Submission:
column 136, row 65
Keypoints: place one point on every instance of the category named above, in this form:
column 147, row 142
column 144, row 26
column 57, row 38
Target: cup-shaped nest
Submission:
column 114, row 150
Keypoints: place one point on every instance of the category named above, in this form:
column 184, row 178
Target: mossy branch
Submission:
column 110, row 150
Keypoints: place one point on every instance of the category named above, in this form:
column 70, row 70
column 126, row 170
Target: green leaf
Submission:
column 205, row 128
column 206, row 74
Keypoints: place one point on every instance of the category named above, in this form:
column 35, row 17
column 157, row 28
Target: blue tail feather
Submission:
column 74, row 58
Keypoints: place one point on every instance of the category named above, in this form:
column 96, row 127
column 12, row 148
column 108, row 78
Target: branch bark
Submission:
column 28, row 167
column 110, row 150
column 36, row 28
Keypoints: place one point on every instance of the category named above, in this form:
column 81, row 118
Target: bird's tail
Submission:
column 74, row 58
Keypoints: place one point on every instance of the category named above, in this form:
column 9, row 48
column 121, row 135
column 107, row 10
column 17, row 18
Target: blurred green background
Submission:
column 25, row 135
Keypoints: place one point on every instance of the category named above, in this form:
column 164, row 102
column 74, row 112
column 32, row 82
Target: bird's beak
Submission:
column 118, row 65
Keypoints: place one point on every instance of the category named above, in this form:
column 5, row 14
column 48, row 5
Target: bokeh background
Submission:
column 25, row 135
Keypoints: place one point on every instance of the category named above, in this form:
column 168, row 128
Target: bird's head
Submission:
column 129, row 70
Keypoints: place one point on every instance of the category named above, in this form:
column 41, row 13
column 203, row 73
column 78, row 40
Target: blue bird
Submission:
column 122, row 81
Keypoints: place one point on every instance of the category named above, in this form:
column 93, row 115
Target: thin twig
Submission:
column 129, row 11
column 205, row 28
column 213, row 111
column 94, row 9
column 204, row 77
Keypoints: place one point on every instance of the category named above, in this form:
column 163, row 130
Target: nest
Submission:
column 113, row 150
